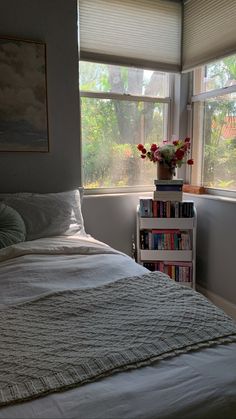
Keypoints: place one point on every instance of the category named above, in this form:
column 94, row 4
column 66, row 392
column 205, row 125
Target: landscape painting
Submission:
column 23, row 96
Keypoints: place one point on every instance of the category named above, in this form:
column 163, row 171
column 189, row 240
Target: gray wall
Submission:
column 216, row 246
column 112, row 219
column 55, row 23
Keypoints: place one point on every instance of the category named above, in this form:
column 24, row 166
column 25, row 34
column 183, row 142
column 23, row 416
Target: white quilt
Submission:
column 199, row 384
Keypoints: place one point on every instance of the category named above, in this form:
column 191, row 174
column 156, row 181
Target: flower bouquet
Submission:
column 168, row 155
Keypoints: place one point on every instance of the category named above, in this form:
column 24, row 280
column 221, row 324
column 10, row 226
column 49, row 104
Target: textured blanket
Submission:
column 66, row 339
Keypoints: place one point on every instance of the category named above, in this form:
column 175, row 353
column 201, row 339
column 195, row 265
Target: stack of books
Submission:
column 168, row 190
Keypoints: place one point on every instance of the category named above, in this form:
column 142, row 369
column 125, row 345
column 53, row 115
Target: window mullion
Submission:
column 127, row 97
column 214, row 93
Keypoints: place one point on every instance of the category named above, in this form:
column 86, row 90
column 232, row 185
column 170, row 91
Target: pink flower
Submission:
column 157, row 154
column 190, row 161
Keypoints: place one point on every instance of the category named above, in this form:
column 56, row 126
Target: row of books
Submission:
column 165, row 240
column 166, row 209
column 179, row 271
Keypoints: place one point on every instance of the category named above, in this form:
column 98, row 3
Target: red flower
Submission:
column 153, row 147
column 173, row 153
column 190, row 161
column 140, row 147
column 179, row 154
column 186, row 146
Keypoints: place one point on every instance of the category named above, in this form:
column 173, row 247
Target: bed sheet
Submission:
column 200, row 384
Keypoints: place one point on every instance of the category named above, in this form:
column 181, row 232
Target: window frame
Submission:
column 169, row 100
column 198, row 142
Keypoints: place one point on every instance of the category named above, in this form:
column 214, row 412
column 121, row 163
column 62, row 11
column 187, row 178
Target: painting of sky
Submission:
column 23, row 96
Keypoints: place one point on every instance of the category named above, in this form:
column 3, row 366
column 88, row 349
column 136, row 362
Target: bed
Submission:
column 60, row 281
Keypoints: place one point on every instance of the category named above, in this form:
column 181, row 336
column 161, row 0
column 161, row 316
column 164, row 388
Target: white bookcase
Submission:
column 144, row 255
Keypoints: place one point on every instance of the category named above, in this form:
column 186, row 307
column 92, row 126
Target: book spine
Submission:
column 171, row 188
column 154, row 208
column 168, row 182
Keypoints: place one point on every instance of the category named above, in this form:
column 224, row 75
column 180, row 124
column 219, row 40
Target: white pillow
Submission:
column 47, row 215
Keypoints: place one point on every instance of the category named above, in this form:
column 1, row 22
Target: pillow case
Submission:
column 12, row 226
column 47, row 215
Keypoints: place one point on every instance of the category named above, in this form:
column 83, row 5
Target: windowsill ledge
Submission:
column 212, row 197
column 102, row 193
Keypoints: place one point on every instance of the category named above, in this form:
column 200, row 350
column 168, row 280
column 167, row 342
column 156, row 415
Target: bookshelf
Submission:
column 168, row 243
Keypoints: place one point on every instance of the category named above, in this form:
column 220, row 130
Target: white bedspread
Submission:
column 200, row 384
column 42, row 266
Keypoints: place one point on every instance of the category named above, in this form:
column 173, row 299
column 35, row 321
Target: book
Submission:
column 169, row 182
column 167, row 196
column 146, row 209
column 169, row 188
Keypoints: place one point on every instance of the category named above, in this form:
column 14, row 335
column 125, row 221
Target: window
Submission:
column 214, row 125
column 121, row 107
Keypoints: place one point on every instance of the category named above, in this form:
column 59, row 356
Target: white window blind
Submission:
column 143, row 33
column 209, row 31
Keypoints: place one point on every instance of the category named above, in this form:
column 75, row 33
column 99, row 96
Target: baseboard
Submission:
column 226, row 305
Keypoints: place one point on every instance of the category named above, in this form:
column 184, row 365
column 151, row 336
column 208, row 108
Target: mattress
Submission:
column 198, row 384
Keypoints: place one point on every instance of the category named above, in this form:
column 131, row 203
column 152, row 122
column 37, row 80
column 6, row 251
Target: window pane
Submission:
column 111, row 130
column 216, row 75
column 219, row 133
column 95, row 77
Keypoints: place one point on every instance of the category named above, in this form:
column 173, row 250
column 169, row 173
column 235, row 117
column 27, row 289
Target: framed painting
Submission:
column 23, row 96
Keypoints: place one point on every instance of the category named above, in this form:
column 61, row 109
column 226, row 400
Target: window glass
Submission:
column 219, row 136
column 113, row 126
column 111, row 130
column 214, row 125
column 96, row 77
column 216, row 75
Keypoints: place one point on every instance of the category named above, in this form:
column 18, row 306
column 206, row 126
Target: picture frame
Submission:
column 23, row 96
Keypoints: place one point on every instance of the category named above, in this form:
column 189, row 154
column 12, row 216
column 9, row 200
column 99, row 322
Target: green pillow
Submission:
column 12, row 226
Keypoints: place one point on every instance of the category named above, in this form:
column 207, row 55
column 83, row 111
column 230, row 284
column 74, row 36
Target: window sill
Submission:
column 221, row 194
column 148, row 191
column 212, row 197
column 118, row 191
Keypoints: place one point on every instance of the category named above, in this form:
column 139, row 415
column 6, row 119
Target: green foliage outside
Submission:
column 220, row 113
column 111, row 129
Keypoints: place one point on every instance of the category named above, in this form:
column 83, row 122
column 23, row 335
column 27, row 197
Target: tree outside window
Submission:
column 120, row 108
